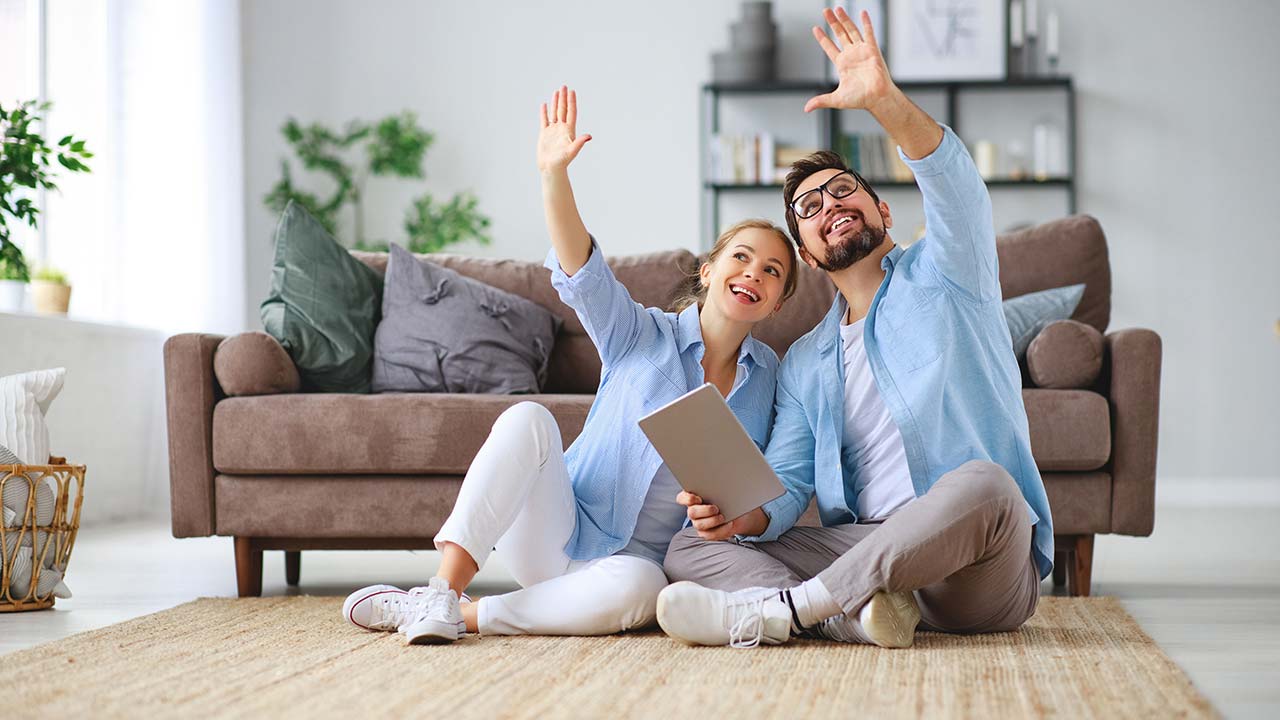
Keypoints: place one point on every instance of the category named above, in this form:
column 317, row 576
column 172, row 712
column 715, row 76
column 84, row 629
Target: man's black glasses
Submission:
column 810, row 202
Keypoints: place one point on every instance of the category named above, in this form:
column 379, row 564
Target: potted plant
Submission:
column 25, row 168
column 50, row 292
column 395, row 146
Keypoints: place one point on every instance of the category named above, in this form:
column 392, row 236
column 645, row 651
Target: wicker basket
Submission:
column 45, row 544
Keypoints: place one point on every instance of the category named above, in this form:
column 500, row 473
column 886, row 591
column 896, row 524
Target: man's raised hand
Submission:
column 558, row 143
column 864, row 77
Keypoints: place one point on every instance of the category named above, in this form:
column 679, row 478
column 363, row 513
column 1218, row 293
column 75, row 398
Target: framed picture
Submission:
column 947, row 39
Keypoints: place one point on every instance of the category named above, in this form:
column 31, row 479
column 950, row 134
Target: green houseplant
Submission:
column 393, row 147
column 26, row 166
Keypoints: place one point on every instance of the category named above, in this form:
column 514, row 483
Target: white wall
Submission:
column 1177, row 108
column 109, row 415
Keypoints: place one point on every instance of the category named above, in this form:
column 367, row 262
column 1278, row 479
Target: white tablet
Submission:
column 710, row 454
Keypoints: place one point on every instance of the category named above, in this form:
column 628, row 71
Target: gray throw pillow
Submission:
column 445, row 332
column 323, row 305
column 1028, row 314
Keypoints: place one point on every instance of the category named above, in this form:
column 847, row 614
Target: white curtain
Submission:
column 153, row 237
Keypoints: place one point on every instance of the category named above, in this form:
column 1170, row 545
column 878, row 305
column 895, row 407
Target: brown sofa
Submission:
column 277, row 469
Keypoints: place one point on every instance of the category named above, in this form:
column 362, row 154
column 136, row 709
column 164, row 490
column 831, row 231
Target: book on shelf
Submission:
column 875, row 157
column 785, row 156
column 742, row 159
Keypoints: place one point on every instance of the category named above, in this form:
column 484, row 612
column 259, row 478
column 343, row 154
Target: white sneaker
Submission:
column 697, row 615
column 888, row 620
column 437, row 618
column 378, row 607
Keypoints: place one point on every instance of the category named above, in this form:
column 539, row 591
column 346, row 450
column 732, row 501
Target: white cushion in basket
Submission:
column 24, row 400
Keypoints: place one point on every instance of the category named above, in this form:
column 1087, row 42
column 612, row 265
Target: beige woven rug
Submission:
column 295, row 657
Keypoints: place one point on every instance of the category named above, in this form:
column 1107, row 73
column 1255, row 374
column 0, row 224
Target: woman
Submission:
column 584, row 531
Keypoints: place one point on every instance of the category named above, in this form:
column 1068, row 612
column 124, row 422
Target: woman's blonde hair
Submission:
column 693, row 291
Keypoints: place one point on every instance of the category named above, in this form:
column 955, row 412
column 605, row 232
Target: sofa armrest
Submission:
column 1131, row 382
column 254, row 363
column 191, row 390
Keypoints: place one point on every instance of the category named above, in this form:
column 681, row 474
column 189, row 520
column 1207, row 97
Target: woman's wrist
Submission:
column 554, row 174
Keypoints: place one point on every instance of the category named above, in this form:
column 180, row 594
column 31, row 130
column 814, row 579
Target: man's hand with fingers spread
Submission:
column 712, row 525
column 559, row 143
column 865, row 84
column 864, row 77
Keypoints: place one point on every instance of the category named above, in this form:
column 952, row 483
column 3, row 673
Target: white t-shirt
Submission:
column 871, row 437
column 661, row 517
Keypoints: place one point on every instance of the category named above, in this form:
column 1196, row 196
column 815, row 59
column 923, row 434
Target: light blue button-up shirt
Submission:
column 939, row 348
column 649, row 358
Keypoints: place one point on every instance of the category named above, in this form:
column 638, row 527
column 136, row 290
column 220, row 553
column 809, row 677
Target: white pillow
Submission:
column 24, row 400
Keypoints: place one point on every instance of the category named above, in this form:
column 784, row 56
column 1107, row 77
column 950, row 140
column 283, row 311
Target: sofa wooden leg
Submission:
column 1080, row 570
column 1060, row 560
column 292, row 566
column 248, row 568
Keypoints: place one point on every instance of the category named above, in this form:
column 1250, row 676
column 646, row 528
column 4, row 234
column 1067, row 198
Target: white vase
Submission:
column 13, row 294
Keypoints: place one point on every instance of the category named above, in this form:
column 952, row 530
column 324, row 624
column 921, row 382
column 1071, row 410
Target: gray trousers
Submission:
column 964, row 548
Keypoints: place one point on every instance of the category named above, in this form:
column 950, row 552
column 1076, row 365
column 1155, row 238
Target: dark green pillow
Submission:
column 323, row 306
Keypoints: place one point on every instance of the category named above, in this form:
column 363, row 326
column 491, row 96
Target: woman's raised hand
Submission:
column 558, row 143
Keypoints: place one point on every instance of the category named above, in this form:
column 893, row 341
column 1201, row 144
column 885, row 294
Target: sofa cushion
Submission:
column 405, row 433
column 1070, row 429
column 652, row 279
column 442, row 331
column 323, row 306
column 1066, row 354
column 1063, row 252
column 254, row 363
column 1028, row 314
column 411, row 508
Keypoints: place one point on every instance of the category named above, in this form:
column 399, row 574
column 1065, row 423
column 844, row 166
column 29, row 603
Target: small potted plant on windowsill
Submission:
column 50, row 292
column 24, row 169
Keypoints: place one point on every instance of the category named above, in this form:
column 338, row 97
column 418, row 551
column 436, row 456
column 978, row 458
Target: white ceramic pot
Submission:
column 13, row 294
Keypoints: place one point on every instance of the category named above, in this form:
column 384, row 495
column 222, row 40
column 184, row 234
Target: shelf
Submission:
column 1044, row 81
column 881, row 184
column 780, row 87
column 828, row 121
column 784, row 87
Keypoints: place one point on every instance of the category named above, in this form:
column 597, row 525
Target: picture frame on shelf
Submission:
column 947, row 40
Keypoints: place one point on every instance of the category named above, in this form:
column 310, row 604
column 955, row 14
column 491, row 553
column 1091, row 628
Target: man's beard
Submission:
column 854, row 248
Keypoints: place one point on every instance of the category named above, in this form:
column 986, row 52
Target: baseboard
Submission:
column 1228, row 492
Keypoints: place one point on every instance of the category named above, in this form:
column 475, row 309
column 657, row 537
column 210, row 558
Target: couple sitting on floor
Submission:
column 902, row 411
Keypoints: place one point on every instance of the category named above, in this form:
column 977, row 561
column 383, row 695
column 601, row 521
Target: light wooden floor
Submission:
column 1206, row 587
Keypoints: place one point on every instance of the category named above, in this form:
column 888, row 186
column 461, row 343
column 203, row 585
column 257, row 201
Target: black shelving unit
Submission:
column 829, row 131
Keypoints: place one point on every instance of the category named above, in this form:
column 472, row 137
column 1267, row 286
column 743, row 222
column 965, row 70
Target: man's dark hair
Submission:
column 803, row 168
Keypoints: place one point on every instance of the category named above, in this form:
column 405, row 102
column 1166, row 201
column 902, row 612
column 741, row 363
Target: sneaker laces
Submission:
column 426, row 601
column 748, row 629
column 395, row 608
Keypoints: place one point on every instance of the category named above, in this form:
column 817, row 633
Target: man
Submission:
column 902, row 410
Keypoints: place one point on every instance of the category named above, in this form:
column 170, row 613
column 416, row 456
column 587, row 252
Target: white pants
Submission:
column 517, row 499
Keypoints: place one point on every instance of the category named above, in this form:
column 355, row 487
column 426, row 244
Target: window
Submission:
column 20, row 79
column 153, row 235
